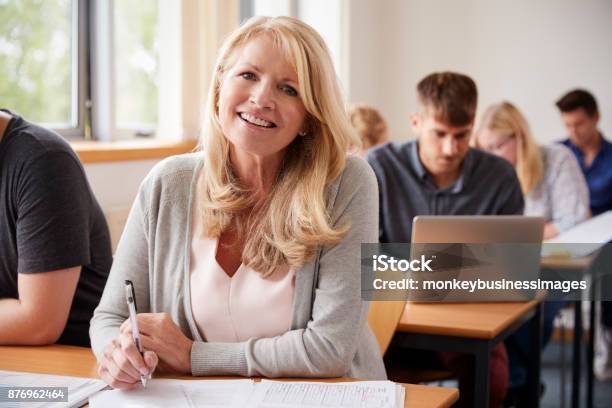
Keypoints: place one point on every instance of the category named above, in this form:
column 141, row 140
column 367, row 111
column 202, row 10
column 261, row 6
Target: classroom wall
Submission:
column 115, row 185
column 362, row 81
column 529, row 52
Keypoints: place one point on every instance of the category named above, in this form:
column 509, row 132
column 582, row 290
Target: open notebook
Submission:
column 79, row 389
column 247, row 393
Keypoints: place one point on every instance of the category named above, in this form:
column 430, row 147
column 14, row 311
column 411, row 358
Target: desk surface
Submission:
column 78, row 361
column 474, row 320
column 567, row 263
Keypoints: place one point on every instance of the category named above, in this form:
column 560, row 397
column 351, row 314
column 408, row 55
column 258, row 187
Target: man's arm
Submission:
column 52, row 239
column 40, row 314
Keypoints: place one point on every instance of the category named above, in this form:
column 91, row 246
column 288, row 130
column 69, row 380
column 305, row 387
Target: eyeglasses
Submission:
column 499, row 146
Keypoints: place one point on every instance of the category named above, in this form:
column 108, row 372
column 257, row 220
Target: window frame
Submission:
column 80, row 86
column 77, row 125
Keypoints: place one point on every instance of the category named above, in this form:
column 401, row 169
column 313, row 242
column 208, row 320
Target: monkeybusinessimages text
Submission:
column 385, row 263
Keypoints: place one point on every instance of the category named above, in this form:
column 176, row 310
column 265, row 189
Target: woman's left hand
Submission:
column 160, row 334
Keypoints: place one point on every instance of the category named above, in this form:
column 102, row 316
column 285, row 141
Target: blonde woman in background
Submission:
column 370, row 126
column 267, row 218
column 552, row 182
column 554, row 188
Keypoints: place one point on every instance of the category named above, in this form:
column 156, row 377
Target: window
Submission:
column 136, row 60
column 117, row 69
column 39, row 60
column 136, row 63
column 106, row 69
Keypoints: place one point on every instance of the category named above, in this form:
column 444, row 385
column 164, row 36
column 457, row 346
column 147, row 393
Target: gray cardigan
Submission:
column 329, row 335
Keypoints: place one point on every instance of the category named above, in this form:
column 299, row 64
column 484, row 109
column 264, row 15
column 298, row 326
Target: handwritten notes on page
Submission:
column 361, row 394
column 246, row 393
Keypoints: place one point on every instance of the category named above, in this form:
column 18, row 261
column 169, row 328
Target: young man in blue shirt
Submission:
column 580, row 115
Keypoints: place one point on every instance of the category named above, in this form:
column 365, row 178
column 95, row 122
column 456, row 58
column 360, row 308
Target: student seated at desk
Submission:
column 370, row 126
column 551, row 180
column 55, row 251
column 580, row 116
column 246, row 257
column 554, row 188
column 439, row 174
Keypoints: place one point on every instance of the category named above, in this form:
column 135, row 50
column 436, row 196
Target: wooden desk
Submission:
column 567, row 263
column 78, row 361
column 474, row 320
column 579, row 266
column 473, row 328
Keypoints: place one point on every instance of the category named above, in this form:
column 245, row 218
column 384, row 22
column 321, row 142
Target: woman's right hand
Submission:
column 122, row 365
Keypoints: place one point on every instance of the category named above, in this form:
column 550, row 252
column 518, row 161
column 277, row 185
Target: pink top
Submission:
column 235, row 309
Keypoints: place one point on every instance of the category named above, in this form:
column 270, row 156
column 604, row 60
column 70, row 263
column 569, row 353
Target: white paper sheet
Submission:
column 79, row 388
column 591, row 235
column 362, row 394
column 178, row 393
column 246, row 393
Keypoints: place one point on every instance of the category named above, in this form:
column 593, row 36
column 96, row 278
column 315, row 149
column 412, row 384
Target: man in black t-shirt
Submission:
column 55, row 251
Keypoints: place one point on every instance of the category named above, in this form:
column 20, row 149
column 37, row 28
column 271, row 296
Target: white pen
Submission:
column 130, row 297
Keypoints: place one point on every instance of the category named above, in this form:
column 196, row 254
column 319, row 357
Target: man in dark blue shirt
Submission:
column 580, row 115
column 594, row 153
column 439, row 174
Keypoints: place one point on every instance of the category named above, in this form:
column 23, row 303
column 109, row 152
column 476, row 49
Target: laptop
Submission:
column 483, row 247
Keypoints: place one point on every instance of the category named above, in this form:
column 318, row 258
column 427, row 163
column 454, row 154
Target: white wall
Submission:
column 115, row 186
column 528, row 52
column 365, row 32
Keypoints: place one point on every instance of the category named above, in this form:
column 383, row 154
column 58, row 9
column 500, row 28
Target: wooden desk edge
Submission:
column 13, row 358
column 459, row 331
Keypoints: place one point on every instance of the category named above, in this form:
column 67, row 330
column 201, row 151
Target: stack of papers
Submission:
column 79, row 388
column 246, row 393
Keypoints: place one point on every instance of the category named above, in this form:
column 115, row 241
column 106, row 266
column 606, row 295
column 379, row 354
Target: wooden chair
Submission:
column 383, row 318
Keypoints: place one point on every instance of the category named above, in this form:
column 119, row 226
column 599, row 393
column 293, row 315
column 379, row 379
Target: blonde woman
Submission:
column 370, row 126
column 550, row 177
column 554, row 187
column 246, row 256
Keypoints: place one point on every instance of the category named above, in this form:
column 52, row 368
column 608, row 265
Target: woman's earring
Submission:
column 307, row 142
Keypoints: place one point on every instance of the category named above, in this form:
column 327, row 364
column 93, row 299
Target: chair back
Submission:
column 383, row 317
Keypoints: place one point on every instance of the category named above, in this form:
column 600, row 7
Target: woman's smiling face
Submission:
column 260, row 111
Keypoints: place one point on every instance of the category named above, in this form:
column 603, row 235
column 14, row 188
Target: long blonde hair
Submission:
column 293, row 223
column 505, row 118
